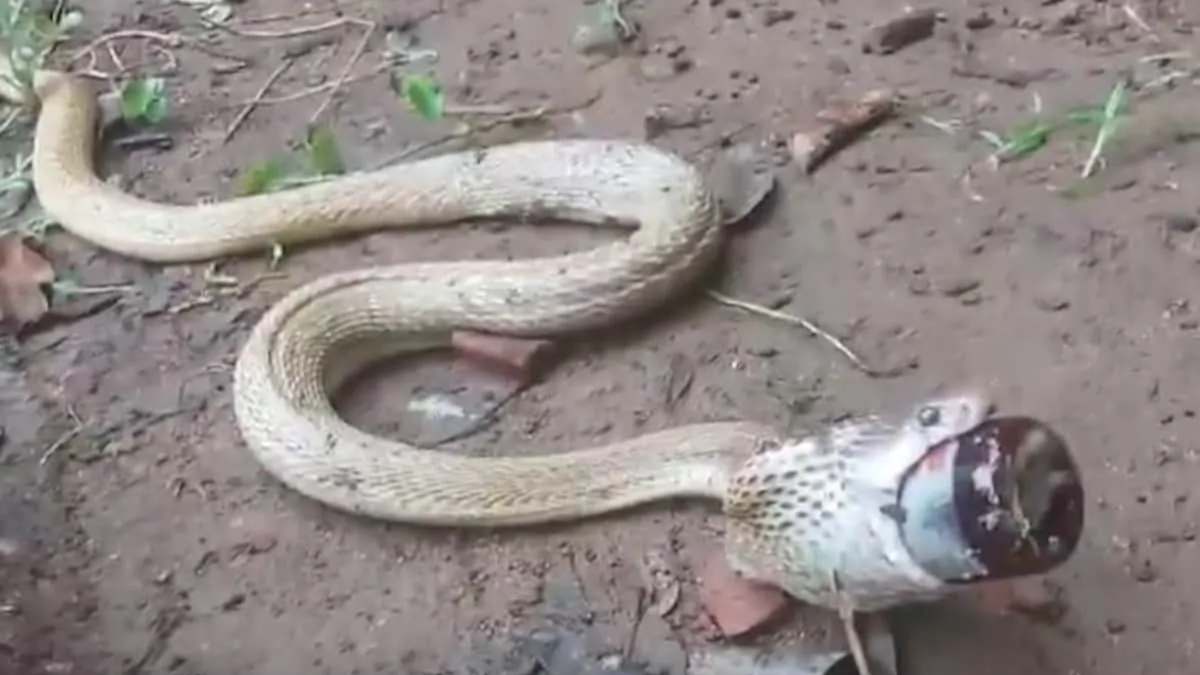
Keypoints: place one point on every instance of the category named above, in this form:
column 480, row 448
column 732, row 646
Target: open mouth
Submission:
column 1003, row 499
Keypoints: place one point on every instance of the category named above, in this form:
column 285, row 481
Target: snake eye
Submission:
column 929, row 416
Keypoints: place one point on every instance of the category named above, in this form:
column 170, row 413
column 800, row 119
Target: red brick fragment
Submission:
column 519, row 358
column 738, row 605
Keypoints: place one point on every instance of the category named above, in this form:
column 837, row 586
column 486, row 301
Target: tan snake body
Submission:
column 325, row 330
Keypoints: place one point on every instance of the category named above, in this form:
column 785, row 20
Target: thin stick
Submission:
column 313, row 91
column 64, row 439
column 518, row 116
column 481, row 423
column 1166, row 56
column 237, row 122
column 811, row 327
column 341, row 80
column 168, row 39
column 291, row 32
column 854, row 640
column 280, row 16
column 1137, row 19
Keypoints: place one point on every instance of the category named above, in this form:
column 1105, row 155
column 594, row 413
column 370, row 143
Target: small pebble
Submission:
column 1048, row 302
column 657, row 67
column 919, row 285
column 961, row 286
column 838, row 66
column 1145, row 571
column 774, row 15
column 782, row 300
column 971, row 298
column 763, row 352
column 1181, row 222
column 900, row 32
column 979, row 21
column 9, row 548
column 236, row 600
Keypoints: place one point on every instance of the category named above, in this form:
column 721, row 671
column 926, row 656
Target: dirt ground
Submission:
column 139, row 536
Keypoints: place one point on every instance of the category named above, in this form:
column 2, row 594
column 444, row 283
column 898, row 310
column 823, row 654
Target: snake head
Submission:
column 879, row 454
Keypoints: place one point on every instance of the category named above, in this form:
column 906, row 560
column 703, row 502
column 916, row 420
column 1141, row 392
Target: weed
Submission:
column 423, row 93
column 144, row 101
column 320, row 158
column 1032, row 135
column 1109, row 120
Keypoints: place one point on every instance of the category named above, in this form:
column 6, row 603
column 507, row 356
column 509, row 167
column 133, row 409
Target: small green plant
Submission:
column 1109, row 120
column 319, row 159
column 423, row 93
column 1023, row 140
column 263, row 177
column 144, row 101
column 1030, row 136
column 324, row 156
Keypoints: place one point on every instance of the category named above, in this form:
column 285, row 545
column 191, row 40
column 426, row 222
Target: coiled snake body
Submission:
column 329, row 328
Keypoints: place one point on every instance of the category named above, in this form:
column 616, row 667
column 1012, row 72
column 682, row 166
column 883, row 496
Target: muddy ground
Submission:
column 140, row 536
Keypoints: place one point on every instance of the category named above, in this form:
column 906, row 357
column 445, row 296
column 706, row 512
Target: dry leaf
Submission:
column 22, row 274
column 839, row 124
column 741, row 177
column 661, row 580
column 680, row 375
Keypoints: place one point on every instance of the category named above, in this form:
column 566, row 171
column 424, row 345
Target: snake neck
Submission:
column 801, row 518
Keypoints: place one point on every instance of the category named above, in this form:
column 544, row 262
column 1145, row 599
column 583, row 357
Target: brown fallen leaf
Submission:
column 661, row 580
column 742, row 177
column 840, row 124
column 678, row 381
column 23, row 272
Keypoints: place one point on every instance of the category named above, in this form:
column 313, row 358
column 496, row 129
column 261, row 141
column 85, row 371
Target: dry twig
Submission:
column 65, row 438
column 811, row 327
column 290, row 32
column 253, row 103
column 162, row 43
column 467, row 130
column 282, row 16
column 168, row 39
column 1137, row 19
column 341, row 80
column 313, row 91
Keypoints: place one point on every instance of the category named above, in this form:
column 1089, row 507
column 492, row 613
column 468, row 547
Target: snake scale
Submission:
column 789, row 503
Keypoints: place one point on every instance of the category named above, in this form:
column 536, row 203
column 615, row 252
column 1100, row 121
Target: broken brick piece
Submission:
column 519, row 358
column 738, row 605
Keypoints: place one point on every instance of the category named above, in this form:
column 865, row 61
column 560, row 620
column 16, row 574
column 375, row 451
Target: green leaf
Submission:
column 263, row 177
column 425, row 96
column 144, row 101
column 324, row 156
column 1116, row 101
column 1022, row 140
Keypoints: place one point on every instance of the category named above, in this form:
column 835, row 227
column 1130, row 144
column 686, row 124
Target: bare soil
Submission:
column 140, row 536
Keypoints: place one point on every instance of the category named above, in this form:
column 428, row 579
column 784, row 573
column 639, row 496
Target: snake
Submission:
column 801, row 509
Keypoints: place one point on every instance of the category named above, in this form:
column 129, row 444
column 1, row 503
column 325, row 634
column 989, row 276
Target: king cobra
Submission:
column 826, row 517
